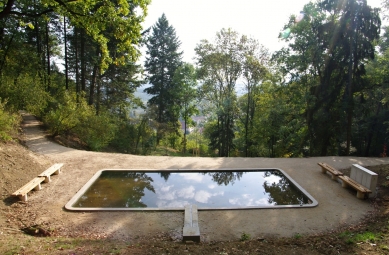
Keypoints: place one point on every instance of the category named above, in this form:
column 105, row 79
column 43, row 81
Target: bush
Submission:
column 67, row 113
column 8, row 123
column 27, row 92
column 97, row 131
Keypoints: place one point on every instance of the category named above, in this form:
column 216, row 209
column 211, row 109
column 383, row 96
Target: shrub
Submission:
column 66, row 113
column 8, row 123
column 97, row 131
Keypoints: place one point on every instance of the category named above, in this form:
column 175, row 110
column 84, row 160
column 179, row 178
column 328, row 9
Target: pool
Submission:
column 121, row 189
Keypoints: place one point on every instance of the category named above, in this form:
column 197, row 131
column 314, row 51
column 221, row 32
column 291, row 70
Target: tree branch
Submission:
column 8, row 10
column 5, row 12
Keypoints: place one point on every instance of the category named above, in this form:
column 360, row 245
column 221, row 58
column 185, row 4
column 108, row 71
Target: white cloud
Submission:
column 197, row 177
column 202, row 196
column 186, row 192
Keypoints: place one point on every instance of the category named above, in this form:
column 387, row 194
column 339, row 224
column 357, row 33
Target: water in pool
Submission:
column 129, row 189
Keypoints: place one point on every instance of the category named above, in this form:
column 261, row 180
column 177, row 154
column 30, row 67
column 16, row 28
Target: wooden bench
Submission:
column 348, row 182
column 34, row 184
column 334, row 173
column 54, row 169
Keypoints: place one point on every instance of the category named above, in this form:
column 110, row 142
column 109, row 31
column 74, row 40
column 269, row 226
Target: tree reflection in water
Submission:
column 127, row 191
column 218, row 177
column 283, row 192
column 165, row 175
column 225, row 177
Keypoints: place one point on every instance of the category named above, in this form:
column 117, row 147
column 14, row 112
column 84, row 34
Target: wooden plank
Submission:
column 33, row 184
column 54, row 169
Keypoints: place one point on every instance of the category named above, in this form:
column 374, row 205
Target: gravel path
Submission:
column 337, row 206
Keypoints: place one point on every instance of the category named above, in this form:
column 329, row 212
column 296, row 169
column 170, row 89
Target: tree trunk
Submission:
column 76, row 33
column 48, row 56
column 66, row 54
column 93, row 84
column 83, row 64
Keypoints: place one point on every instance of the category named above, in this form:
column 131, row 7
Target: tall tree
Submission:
column 219, row 69
column 162, row 60
column 185, row 81
column 94, row 17
column 327, row 53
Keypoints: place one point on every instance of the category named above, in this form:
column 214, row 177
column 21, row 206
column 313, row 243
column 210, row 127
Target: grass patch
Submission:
column 352, row 238
column 245, row 237
column 297, row 236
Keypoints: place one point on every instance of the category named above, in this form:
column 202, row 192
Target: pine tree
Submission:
column 162, row 60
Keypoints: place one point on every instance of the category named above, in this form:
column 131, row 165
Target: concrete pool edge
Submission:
column 73, row 200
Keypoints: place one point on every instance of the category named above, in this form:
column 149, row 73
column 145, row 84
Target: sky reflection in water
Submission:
column 176, row 189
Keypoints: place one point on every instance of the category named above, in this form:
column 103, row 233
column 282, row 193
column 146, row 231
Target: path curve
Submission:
column 337, row 206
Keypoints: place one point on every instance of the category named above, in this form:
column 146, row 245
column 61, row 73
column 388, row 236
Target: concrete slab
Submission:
column 191, row 231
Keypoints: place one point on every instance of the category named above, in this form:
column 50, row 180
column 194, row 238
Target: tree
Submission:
column 185, row 82
column 219, row 69
column 162, row 60
column 255, row 72
column 95, row 17
column 327, row 54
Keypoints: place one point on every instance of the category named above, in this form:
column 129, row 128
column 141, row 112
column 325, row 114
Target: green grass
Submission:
column 297, row 236
column 162, row 151
column 245, row 237
column 352, row 238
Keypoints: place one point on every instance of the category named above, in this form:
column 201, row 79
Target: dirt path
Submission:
column 337, row 206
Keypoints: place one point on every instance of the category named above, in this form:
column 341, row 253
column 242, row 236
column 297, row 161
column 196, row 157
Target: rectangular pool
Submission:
column 119, row 189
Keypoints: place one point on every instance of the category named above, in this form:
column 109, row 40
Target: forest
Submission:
column 75, row 65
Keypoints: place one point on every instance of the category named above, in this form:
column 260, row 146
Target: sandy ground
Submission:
column 337, row 206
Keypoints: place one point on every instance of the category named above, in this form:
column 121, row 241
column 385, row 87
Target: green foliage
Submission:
column 245, row 237
column 297, row 236
column 95, row 17
column 134, row 136
column 97, row 130
column 162, row 60
column 352, row 238
column 9, row 123
column 66, row 113
column 27, row 92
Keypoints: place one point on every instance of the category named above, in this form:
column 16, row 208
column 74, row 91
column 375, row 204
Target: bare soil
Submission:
column 42, row 225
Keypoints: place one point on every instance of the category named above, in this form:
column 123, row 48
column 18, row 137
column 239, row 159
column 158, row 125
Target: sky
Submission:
column 195, row 20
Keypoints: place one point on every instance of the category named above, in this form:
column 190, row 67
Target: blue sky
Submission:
column 201, row 19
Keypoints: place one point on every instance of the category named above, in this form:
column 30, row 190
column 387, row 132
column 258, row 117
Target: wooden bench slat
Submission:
column 354, row 184
column 54, row 169
column 334, row 173
column 361, row 190
column 33, row 184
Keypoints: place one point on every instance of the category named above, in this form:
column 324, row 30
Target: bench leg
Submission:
column 58, row 171
column 344, row 184
column 323, row 170
column 360, row 195
column 23, row 197
column 38, row 187
column 334, row 177
column 47, row 179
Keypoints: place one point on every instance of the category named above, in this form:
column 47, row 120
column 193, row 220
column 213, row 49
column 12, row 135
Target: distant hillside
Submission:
column 143, row 95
